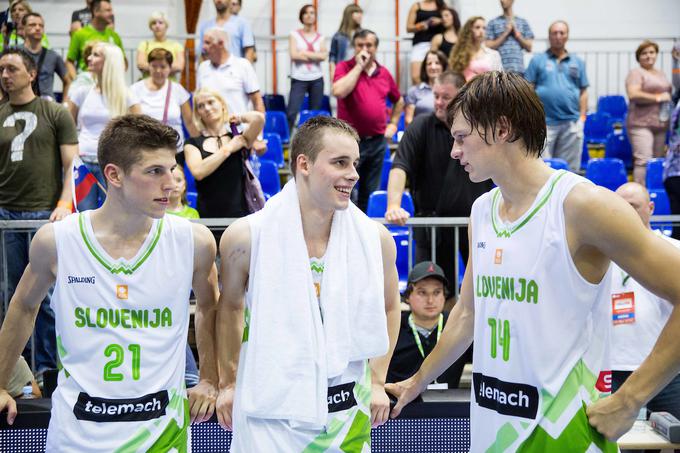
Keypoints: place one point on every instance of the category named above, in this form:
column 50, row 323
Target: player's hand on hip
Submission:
column 202, row 401
column 611, row 416
column 8, row 403
column 397, row 215
column 406, row 391
column 225, row 407
column 380, row 405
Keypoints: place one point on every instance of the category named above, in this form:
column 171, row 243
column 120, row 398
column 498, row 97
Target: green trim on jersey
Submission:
column 577, row 433
column 246, row 324
column 120, row 267
column 61, row 352
column 504, row 232
column 173, row 437
column 359, row 433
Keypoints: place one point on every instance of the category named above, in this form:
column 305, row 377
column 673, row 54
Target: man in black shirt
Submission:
column 439, row 184
column 422, row 326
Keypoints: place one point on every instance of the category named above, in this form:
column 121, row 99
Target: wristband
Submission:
column 65, row 204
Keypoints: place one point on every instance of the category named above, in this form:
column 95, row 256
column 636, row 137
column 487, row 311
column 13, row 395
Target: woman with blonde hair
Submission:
column 158, row 24
column 340, row 43
column 470, row 56
column 216, row 157
column 93, row 106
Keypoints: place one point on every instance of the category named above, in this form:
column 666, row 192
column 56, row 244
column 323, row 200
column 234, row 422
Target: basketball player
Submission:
column 122, row 276
column 535, row 295
column 338, row 410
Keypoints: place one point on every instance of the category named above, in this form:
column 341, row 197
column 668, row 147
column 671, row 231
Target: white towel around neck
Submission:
column 291, row 352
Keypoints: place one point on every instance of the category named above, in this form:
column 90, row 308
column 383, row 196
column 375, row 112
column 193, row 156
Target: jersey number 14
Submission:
column 500, row 336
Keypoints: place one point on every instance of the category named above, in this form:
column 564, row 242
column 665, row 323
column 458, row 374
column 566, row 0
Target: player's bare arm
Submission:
column 598, row 219
column 455, row 340
column 202, row 396
column 235, row 253
column 380, row 403
column 23, row 308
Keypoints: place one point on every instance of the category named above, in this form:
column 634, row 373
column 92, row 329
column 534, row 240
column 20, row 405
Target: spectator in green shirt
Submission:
column 177, row 203
column 98, row 30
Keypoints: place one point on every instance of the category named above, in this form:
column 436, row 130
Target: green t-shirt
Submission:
column 86, row 34
column 30, row 158
column 187, row 212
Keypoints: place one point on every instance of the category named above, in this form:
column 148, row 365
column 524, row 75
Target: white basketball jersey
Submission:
column 121, row 336
column 541, row 331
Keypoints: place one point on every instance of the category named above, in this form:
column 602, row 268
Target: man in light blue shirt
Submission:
column 510, row 35
column 241, row 38
column 561, row 83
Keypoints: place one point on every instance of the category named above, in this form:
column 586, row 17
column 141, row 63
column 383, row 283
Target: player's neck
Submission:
column 117, row 220
column 316, row 224
column 521, row 181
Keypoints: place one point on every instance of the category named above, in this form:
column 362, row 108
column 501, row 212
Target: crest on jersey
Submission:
column 122, row 291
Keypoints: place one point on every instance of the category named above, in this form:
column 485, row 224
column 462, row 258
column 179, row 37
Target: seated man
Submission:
column 426, row 294
column 638, row 316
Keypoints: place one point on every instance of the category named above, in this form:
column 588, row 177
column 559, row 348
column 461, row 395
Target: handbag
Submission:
column 252, row 189
column 167, row 102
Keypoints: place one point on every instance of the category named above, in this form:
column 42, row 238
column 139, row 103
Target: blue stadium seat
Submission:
column 615, row 106
column 661, row 207
column 269, row 177
column 325, row 103
column 191, row 182
column 377, row 203
column 595, row 132
column 192, row 199
column 617, row 146
column 274, row 102
column 401, row 126
column 401, row 241
column 385, row 176
column 655, row 174
column 307, row 114
column 274, row 150
column 277, row 123
column 557, row 163
column 609, row 173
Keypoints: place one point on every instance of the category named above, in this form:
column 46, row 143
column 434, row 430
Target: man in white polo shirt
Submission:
column 232, row 77
column 638, row 316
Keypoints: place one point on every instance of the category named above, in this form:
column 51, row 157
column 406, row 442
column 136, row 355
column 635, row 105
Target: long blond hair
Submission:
column 112, row 83
column 463, row 50
column 348, row 26
column 198, row 122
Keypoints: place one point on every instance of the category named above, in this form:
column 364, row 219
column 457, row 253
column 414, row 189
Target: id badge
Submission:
column 623, row 308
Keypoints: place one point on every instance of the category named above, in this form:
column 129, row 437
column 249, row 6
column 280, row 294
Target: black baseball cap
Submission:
column 426, row 269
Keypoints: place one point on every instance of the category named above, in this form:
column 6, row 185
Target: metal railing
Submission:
column 608, row 61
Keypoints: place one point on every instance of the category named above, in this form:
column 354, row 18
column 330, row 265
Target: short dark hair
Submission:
column 443, row 61
column 643, row 46
column 24, row 20
column 303, row 10
column 308, row 139
column 454, row 78
column 363, row 33
column 96, row 3
column 29, row 62
column 125, row 137
column 488, row 97
column 159, row 54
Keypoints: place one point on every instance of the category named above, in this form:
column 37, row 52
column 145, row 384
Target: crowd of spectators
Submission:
column 225, row 125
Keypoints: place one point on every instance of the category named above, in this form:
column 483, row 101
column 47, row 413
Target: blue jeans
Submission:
column 371, row 155
column 96, row 196
column 16, row 251
column 298, row 89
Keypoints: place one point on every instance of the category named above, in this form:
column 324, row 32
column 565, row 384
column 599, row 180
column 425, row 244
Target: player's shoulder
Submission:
column 44, row 245
column 236, row 235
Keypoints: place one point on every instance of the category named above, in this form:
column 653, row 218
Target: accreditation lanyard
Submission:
column 411, row 324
